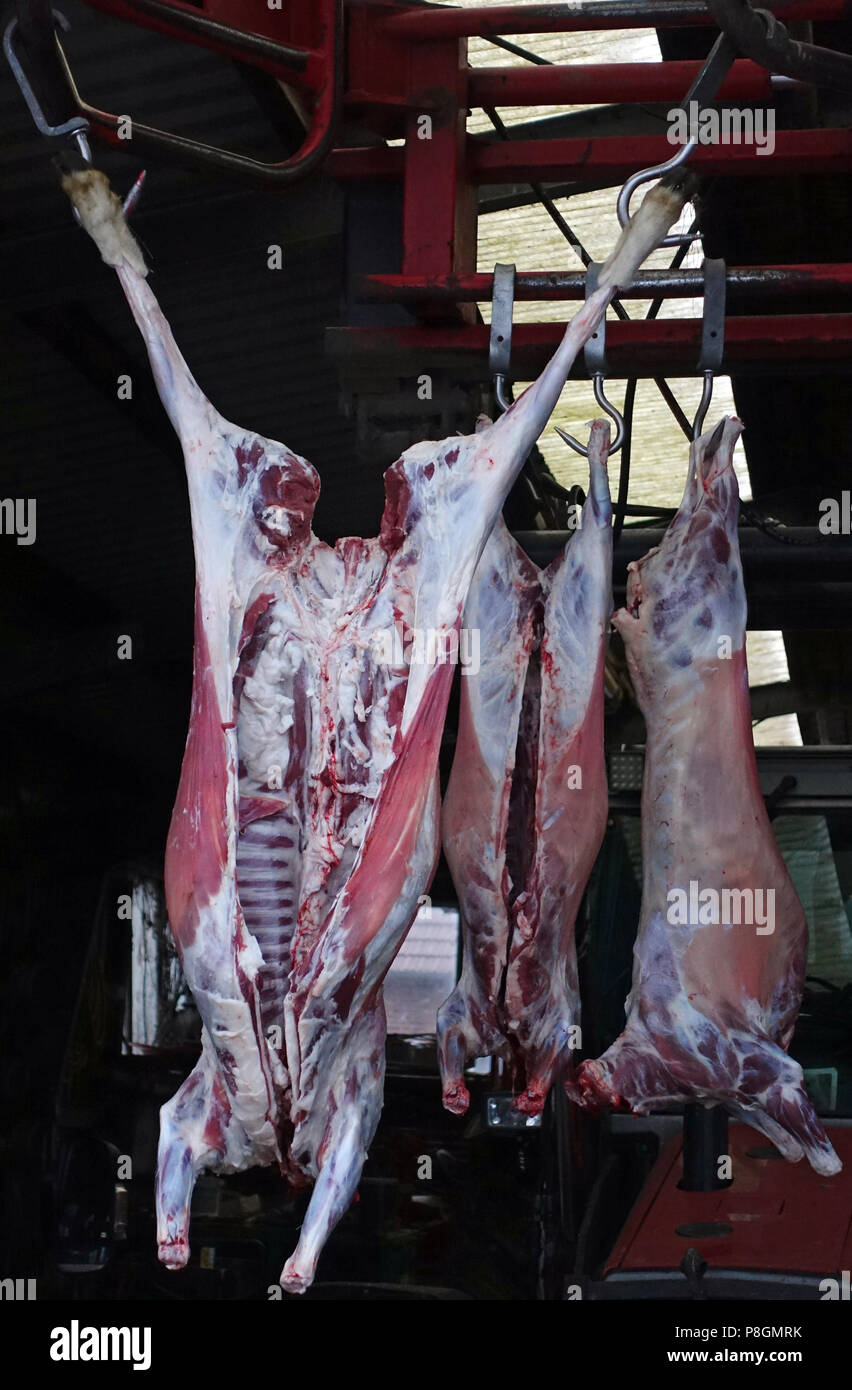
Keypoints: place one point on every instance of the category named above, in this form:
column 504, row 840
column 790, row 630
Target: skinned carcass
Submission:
column 722, row 944
column 526, row 805
column 306, row 822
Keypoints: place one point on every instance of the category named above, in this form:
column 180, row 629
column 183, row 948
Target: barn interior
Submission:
column 311, row 308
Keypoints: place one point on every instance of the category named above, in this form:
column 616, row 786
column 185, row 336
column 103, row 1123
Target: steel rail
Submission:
column 767, row 281
column 582, row 16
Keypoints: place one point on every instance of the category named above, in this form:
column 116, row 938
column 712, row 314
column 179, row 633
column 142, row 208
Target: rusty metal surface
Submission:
column 782, row 1216
column 766, row 281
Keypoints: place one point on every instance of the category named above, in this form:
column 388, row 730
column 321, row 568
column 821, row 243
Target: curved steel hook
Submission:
column 645, row 176
column 703, row 91
column 614, row 415
column 503, row 393
column 704, row 404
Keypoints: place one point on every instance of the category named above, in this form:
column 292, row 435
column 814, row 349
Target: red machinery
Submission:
column 774, row 1232
column 387, row 65
column 304, row 51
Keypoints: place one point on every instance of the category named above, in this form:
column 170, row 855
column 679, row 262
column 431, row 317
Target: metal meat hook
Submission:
column 613, row 413
column 77, row 127
column 594, row 355
column 702, row 91
column 645, row 176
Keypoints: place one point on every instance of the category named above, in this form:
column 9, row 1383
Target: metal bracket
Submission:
column 594, row 353
column 594, row 356
column 501, row 1113
column 773, row 799
column 693, row 1267
column 500, row 340
column 712, row 335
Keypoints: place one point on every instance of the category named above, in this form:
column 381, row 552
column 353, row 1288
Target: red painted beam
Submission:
column 642, row 348
column 366, row 162
column 609, row 159
column 439, row 202
column 445, row 22
column 575, row 84
column 280, row 29
column 558, row 84
column 828, row 278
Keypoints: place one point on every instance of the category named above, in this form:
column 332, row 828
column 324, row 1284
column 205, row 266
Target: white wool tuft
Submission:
column 103, row 218
column 643, row 233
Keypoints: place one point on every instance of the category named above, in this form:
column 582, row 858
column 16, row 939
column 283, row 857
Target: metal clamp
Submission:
column 78, row 126
column 500, row 340
column 712, row 335
column 594, row 356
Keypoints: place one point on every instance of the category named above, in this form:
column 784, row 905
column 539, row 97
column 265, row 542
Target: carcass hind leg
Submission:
column 189, row 1125
column 547, row 1061
column 782, row 1110
column 351, row 1097
column 330, row 1199
column 453, row 1050
column 631, row 1074
column 467, row 1028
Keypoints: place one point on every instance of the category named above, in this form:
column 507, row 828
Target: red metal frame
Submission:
column 578, row 84
column 446, row 22
column 607, row 160
column 439, row 205
column 641, row 347
column 302, row 26
column 829, row 277
column 404, row 64
column 390, row 87
column 610, row 159
column 317, row 38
